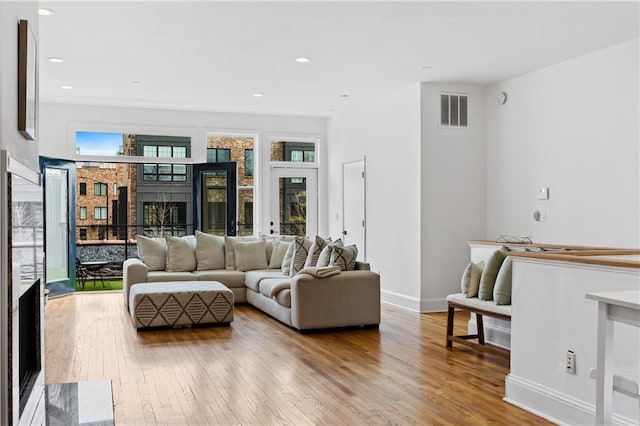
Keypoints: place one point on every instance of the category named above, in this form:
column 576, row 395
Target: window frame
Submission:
column 316, row 164
column 86, row 213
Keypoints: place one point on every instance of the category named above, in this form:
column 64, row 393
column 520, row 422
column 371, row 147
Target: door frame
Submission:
column 309, row 173
column 231, row 168
column 364, row 199
column 70, row 167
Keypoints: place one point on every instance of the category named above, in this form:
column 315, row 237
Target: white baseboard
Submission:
column 494, row 334
column 413, row 303
column 552, row 405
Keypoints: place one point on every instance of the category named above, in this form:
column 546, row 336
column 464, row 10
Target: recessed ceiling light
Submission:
column 258, row 95
column 55, row 60
column 303, row 59
column 344, row 96
column 45, row 12
column 66, row 87
column 426, row 67
column 136, row 82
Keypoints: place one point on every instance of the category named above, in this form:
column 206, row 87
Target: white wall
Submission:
column 572, row 127
column 387, row 133
column 452, row 192
column 59, row 122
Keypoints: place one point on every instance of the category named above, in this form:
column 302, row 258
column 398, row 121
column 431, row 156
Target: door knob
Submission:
column 271, row 231
column 344, row 232
column 271, row 223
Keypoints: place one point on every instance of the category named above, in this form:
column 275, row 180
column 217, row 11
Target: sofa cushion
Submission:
column 471, row 279
column 319, row 243
column 232, row 279
column 181, row 254
column 279, row 249
column 253, row 278
column 288, row 258
column 250, row 255
column 344, row 257
column 283, row 298
column 502, row 289
column 490, row 273
column 164, row 276
column 301, row 247
column 153, row 252
column 229, row 250
column 267, row 284
column 325, row 254
column 209, row 251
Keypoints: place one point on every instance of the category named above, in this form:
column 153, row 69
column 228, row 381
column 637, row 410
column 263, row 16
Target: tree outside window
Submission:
column 248, row 162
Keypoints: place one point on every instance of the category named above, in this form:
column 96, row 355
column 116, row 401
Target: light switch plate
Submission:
column 543, row 194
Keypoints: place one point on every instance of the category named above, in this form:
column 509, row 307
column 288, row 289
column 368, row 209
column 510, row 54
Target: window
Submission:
column 83, row 188
column 100, row 213
column 83, row 212
column 164, row 218
column 248, row 216
column 83, row 234
column 296, row 152
column 453, row 110
column 164, row 172
column 101, row 233
column 100, row 188
column 218, row 155
column 248, row 162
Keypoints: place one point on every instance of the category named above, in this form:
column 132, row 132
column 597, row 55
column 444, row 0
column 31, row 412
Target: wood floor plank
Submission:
column 258, row 371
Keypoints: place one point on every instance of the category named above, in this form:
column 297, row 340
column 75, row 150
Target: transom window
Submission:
column 218, row 155
column 295, row 152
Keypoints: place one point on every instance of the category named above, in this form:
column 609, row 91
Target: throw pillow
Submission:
column 229, row 252
column 278, row 251
column 471, row 279
column 325, row 254
column 251, row 255
column 502, row 289
column 153, row 252
column 490, row 273
column 314, row 252
column 181, row 254
column 288, row 257
column 209, row 251
column 301, row 247
column 344, row 257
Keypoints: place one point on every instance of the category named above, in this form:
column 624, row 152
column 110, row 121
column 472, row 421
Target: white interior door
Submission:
column 294, row 202
column 353, row 202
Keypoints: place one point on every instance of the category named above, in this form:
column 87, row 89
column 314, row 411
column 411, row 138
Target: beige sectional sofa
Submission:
column 286, row 292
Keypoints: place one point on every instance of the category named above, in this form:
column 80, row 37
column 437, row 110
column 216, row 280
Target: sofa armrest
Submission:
column 347, row 299
column 134, row 271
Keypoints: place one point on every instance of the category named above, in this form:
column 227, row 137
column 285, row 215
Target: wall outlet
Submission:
column 570, row 364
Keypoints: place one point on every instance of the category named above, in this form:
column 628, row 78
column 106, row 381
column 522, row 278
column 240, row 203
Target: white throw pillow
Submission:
column 279, row 249
column 209, row 251
column 314, row 252
column 181, row 254
column 251, row 255
column 344, row 257
column 288, row 257
column 325, row 254
column 229, row 251
column 153, row 252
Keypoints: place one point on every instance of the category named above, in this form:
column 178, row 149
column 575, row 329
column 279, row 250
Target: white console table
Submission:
column 620, row 306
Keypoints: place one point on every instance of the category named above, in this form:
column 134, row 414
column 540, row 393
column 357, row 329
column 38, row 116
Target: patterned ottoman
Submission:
column 179, row 303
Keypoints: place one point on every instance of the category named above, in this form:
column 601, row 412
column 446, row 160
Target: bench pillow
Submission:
column 181, row 254
column 209, row 251
column 471, row 279
column 490, row 273
column 153, row 252
column 502, row 289
column 251, row 255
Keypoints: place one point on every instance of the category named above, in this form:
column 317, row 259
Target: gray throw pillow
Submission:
column 325, row 255
column 209, row 251
column 230, row 253
column 181, row 254
column 314, row 252
column 278, row 251
column 251, row 255
column 471, row 279
column 153, row 252
column 502, row 289
column 301, row 248
column 344, row 257
column 490, row 273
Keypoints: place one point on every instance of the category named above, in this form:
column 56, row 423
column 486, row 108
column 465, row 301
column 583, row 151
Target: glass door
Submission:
column 215, row 195
column 58, row 178
column 294, row 201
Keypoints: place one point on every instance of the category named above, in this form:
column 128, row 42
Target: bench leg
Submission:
column 480, row 327
column 450, row 316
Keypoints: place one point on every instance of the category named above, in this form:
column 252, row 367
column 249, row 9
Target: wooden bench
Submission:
column 480, row 308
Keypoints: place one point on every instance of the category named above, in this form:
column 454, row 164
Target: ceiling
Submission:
column 214, row 56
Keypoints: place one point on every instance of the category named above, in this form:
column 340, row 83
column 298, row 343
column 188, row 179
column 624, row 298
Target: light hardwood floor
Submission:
column 258, row 371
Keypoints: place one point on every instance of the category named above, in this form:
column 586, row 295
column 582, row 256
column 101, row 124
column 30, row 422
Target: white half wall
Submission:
column 59, row 121
column 452, row 193
column 387, row 133
column 571, row 127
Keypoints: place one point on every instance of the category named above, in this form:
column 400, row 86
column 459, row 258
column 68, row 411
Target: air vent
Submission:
column 453, row 110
